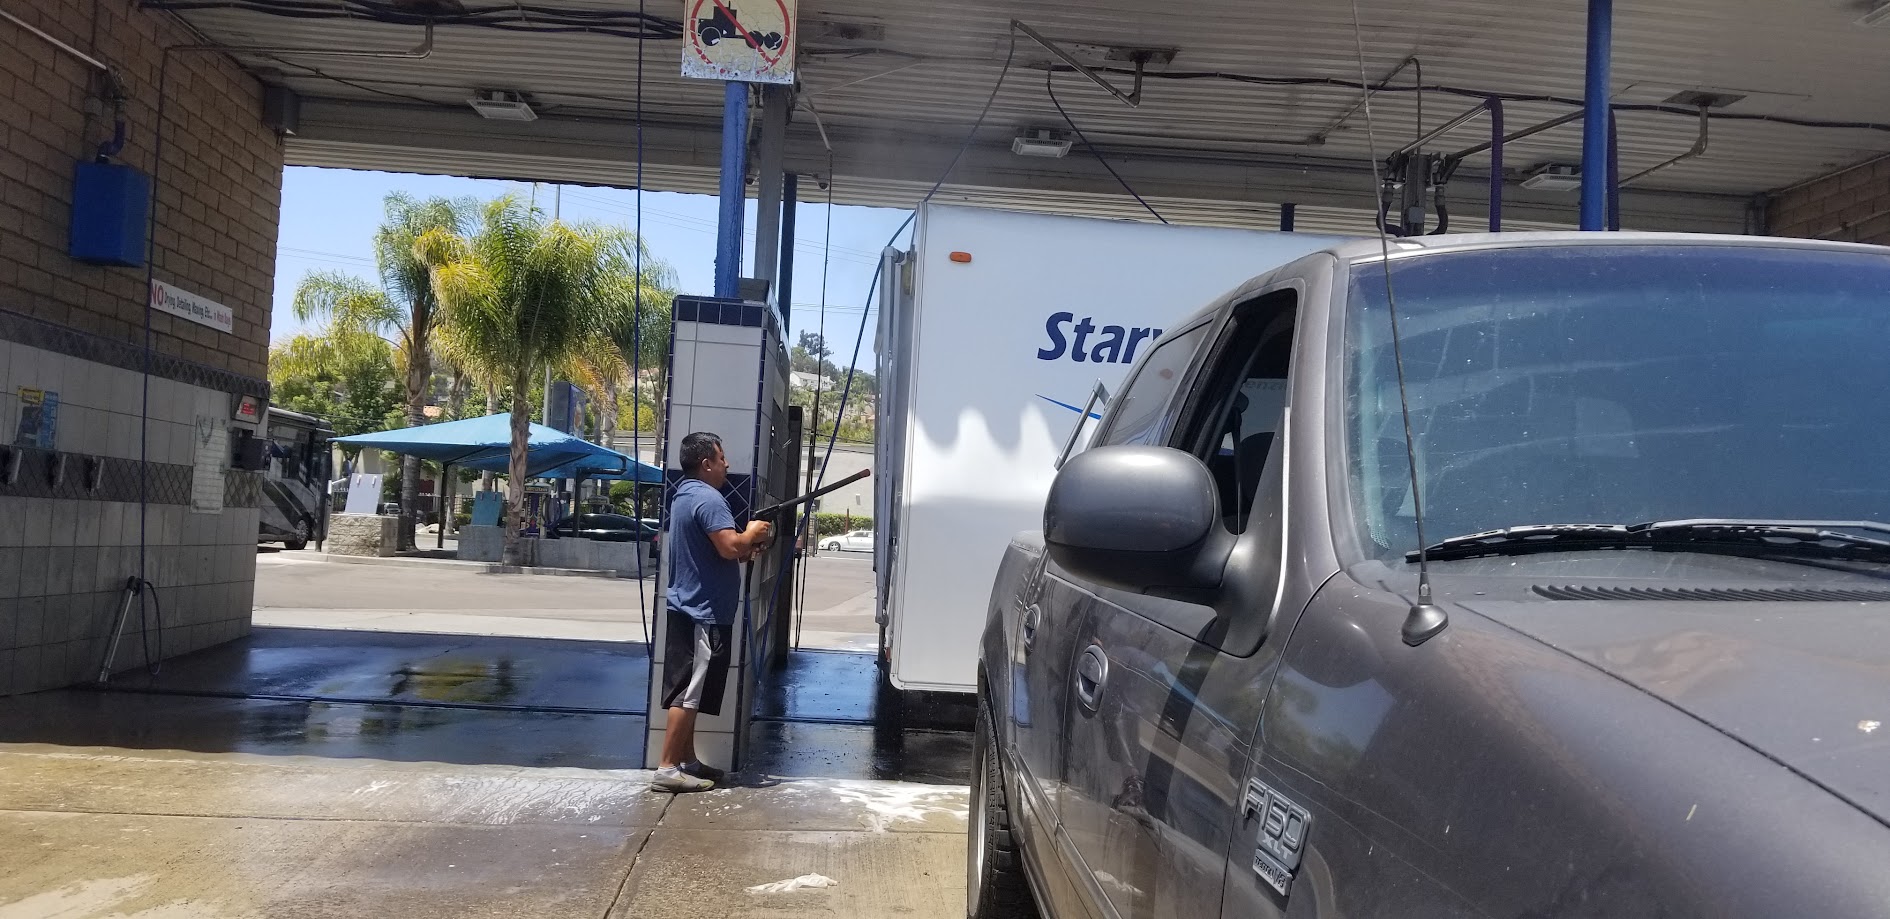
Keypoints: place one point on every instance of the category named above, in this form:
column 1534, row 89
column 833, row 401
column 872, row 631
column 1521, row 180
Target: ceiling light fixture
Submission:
column 1554, row 177
column 1041, row 142
column 1878, row 15
column 501, row 105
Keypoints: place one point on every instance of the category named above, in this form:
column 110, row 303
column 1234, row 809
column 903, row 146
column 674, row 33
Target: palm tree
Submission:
column 598, row 369
column 643, row 341
column 403, row 309
column 521, row 294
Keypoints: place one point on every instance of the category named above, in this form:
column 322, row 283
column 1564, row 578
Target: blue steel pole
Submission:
column 790, row 203
column 728, row 228
column 1595, row 122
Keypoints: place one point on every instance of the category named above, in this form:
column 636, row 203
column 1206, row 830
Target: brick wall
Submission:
column 1852, row 205
column 221, row 180
column 138, row 495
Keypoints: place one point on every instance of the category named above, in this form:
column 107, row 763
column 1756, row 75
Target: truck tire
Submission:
column 995, row 886
column 303, row 531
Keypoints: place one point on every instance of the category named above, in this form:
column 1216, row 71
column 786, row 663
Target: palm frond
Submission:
column 346, row 301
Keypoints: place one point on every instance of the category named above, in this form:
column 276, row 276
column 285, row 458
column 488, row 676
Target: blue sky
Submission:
column 329, row 217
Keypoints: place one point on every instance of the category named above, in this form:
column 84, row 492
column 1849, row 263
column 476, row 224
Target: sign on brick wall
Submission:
column 184, row 304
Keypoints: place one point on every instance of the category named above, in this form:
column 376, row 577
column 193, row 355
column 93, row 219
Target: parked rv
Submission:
column 295, row 479
column 1602, row 630
column 994, row 331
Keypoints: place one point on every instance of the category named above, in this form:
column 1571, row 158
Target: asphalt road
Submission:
column 308, row 590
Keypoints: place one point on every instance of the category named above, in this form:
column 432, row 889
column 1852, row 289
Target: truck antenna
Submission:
column 1426, row 618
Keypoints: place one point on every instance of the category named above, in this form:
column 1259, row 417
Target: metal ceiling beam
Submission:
column 683, row 156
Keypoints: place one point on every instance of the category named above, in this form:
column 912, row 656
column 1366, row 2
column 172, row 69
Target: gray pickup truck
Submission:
column 1653, row 473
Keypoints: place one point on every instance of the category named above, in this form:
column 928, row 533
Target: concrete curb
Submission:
column 552, row 572
column 395, row 561
column 477, row 567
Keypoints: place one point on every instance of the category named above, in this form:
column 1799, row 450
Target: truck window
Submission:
column 1233, row 419
column 1618, row 384
column 1138, row 412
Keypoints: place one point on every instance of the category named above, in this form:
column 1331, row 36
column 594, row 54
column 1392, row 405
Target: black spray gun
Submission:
column 772, row 512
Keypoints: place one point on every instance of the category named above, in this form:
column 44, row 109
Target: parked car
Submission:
column 605, row 528
column 856, row 541
column 1633, row 682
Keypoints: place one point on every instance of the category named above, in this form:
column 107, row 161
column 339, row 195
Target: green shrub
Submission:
column 834, row 524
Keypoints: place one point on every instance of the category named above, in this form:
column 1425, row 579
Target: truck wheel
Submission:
column 995, row 883
column 299, row 541
column 711, row 35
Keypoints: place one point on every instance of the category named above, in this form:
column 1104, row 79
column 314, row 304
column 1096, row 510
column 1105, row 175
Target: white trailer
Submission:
column 993, row 333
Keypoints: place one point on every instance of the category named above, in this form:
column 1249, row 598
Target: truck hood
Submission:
column 1804, row 683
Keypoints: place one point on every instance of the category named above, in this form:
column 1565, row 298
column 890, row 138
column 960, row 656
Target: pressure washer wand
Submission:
column 772, row 511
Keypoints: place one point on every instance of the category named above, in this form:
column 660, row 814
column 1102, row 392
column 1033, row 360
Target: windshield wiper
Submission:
column 1819, row 538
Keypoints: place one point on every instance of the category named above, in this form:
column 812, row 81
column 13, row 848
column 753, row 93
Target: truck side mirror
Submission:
column 1140, row 519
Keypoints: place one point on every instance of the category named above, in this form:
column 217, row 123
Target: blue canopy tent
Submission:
column 486, row 444
column 607, row 469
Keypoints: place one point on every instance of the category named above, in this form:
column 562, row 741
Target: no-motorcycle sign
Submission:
column 752, row 43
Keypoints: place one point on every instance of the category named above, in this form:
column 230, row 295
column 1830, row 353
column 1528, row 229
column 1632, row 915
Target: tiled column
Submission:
column 727, row 363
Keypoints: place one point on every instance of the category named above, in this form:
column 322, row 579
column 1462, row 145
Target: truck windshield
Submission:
column 1615, row 384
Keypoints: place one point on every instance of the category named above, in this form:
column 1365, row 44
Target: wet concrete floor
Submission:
column 820, row 715
column 97, row 832
column 318, row 773
column 378, row 695
column 471, row 700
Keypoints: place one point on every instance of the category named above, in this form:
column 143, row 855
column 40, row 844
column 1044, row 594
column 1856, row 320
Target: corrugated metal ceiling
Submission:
column 924, row 69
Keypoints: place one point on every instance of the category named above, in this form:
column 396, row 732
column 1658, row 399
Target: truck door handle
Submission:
column 1092, row 671
column 1027, row 630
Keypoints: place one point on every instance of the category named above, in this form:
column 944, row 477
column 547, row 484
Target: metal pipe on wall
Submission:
column 88, row 60
column 1595, row 126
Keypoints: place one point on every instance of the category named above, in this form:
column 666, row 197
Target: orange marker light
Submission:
column 962, row 258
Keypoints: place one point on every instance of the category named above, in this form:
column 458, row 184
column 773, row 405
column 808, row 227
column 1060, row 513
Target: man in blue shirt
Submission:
column 705, row 585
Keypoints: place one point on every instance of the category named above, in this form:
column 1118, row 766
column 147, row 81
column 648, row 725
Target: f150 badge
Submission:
column 1283, row 827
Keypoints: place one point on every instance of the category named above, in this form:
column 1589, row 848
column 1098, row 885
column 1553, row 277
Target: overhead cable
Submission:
column 1049, row 85
column 513, row 17
column 1687, row 111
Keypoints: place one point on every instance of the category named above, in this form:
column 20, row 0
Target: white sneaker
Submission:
column 676, row 781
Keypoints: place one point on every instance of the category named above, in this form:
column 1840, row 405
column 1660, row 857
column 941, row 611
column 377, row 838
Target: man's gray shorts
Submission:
column 695, row 664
